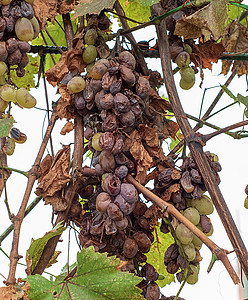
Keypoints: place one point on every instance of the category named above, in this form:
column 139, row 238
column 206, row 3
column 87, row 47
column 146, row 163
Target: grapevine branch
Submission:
column 17, row 220
column 165, row 206
column 77, row 163
column 196, row 148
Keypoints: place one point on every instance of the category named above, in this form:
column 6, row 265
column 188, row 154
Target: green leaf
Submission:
column 92, row 6
column 97, row 278
column 242, row 99
column 5, row 125
column 37, row 246
column 135, row 11
column 233, row 13
column 228, row 92
column 147, row 2
column 57, row 32
column 155, row 256
column 31, row 70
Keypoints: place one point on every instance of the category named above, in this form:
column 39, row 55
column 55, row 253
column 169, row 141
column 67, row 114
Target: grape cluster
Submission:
column 18, row 26
column 195, row 206
column 180, row 54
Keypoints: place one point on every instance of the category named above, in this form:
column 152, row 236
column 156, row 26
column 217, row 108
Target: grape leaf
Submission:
column 92, row 6
column 5, row 125
column 37, row 246
column 155, row 256
column 56, row 31
column 147, row 2
column 27, row 81
column 242, row 99
column 97, row 278
column 135, row 11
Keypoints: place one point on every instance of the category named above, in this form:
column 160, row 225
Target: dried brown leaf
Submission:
column 68, row 127
column 66, row 6
column 207, row 21
column 58, row 176
column 64, row 104
column 235, row 41
column 45, row 166
column 205, row 54
column 57, row 72
column 149, row 135
column 45, row 9
column 12, row 293
column 143, row 159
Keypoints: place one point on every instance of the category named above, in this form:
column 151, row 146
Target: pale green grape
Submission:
column 3, row 68
column 24, row 30
column 188, row 75
column 246, row 203
column 9, row 146
column 25, row 99
column 90, row 37
column 76, row 84
column 8, row 93
column 192, row 215
column 36, row 27
column 90, row 54
column 197, row 242
column 184, row 235
column 204, row 205
column 189, row 250
column 95, row 141
column 3, row 105
column 2, row 80
column 186, row 85
column 183, row 59
column 193, row 277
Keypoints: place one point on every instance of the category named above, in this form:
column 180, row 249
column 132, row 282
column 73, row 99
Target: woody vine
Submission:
column 111, row 101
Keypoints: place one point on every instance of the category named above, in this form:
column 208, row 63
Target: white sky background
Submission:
column 232, row 155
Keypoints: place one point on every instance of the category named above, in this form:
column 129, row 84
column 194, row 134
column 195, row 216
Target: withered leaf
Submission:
column 68, row 127
column 65, row 6
column 141, row 156
column 205, row 54
column 64, row 104
column 45, row 166
column 92, row 7
column 148, row 134
column 55, row 74
column 207, row 21
column 45, row 9
column 12, row 292
column 57, row 201
column 235, row 41
column 58, row 176
column 172, row 128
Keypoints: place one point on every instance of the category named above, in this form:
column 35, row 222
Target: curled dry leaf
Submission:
column 64, row 104
column 141, row 156
column 55, row 74
column 207, row 21
column 235, row 41
column 13, row 293
column 149, row 135
column 45, row 166
column 68, row 127
column 205, row 54
column 66, row 6
column 45, row 9
column 56, row 179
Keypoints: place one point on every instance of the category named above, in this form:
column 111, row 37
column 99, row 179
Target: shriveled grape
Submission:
column 130, row 248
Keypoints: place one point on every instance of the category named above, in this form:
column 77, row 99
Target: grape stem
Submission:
column 167, row 207
column 25, row 173
column 196, row 148
column 207, row 137
column 17, row 220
